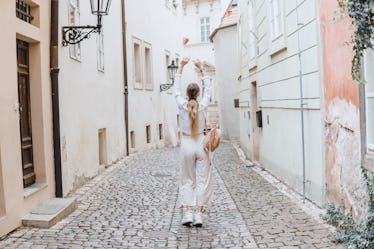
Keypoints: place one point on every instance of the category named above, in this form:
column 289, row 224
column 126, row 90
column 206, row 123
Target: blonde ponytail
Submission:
column 193, row 107
column 193, row 91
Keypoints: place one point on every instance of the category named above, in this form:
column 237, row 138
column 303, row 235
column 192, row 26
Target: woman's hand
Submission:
column 184, row 61
column 198, row 64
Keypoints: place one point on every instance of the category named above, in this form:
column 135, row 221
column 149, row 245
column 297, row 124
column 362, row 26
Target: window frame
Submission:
column 279, row 17
column 368, row 95
column 204, row 31
column 252, row 39
column 148, row 79
column 75, row 52
column 137, row 84
column 277, row 41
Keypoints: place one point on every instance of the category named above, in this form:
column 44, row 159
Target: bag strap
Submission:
column 210, row 144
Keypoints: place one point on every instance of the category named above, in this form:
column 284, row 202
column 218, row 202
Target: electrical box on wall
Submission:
column 236, row 103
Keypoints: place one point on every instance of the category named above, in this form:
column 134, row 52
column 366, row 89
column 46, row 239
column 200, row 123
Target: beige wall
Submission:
column 15, row 201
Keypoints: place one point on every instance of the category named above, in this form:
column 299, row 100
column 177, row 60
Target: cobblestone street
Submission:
column 134, row 204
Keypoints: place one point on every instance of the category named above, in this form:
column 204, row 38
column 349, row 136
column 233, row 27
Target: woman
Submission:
column 195, row 174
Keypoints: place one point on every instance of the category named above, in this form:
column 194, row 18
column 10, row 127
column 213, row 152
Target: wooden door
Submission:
column 25, row 113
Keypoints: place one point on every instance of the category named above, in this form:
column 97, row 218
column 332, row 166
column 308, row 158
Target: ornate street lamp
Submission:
column 172, row 69
column 76, row 34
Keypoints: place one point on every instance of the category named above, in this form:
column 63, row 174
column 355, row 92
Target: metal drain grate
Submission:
column 161, row 175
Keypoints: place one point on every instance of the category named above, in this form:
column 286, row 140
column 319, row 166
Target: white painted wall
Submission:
column 227, row 65
column 192, row 12
column 276, row 71
column 91, row 100
column 158, row 24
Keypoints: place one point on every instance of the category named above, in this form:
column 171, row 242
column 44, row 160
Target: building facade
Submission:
column 300, row 111
column 199, row 19
column 153, row 115
column 277, row 58
column 26, row 134
column 91, row 95
column 225, row 40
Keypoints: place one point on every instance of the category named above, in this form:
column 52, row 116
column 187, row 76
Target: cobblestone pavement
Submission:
column 134, row 204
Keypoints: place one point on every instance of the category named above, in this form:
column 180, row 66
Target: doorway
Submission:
column 255, row 129
column 25, row 113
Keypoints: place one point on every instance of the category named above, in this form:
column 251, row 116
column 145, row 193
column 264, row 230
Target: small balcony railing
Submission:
column 23, row 11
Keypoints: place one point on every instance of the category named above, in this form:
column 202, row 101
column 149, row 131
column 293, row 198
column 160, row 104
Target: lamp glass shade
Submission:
column 172, row 69
column 100, row 7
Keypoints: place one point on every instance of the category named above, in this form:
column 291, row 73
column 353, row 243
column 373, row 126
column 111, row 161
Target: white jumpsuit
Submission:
column 195, row 184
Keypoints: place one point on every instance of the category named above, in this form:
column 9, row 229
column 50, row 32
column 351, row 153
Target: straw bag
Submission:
column 212, row 139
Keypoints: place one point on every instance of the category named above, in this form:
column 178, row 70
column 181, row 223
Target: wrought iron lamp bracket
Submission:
column 75, row 34
column 164, row 87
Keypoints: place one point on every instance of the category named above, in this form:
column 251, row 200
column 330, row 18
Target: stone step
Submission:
column 50, row 212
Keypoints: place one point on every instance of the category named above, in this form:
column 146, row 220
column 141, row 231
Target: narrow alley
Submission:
column 134, row 204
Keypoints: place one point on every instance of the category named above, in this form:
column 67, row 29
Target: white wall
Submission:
column 91, row 100
column 195, row 48
column 276, row 72
column 226, row 54
column 158, row 25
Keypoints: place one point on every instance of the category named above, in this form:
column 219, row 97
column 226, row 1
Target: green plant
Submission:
column 354, row 236
column 362, row 14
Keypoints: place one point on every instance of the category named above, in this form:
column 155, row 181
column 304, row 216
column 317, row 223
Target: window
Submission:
column 369, row 93
column 132, row 139
column 205, row 29
column 74, row 16
column 160, row 131
column 252, row 39
column 276, row 18
column 137, row 62
column 102, row 147
column 148, row 133
column 100, row 51
column 23, row 11
column 148, row 67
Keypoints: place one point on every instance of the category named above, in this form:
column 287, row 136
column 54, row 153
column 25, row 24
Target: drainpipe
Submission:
column 126, row 93
column 301, row 100
column 55, row 97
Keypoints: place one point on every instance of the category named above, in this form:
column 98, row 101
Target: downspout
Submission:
column 301, row 102
column 126, row 89
column 55, row 97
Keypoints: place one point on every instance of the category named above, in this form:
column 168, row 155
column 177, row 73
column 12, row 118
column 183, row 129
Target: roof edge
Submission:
column 218, row 29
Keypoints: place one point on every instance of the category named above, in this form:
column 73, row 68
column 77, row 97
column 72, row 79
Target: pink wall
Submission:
column 337, row 55
column 342, row 120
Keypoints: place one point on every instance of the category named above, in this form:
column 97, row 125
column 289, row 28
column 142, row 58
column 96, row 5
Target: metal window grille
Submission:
column 23, row 11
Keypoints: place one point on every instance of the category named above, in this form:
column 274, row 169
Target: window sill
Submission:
column 149, row 87
column 138, row 86
column 252, row 65
column 278, row 45
column 36, row 187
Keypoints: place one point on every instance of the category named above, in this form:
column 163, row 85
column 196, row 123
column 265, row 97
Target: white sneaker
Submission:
column 198, row 219
column 187, row 218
